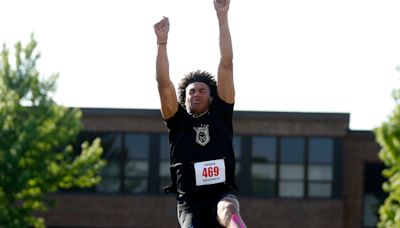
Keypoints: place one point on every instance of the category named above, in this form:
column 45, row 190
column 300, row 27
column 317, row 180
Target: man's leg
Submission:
column 228, row 215
column 185, row 216
column 194, row 215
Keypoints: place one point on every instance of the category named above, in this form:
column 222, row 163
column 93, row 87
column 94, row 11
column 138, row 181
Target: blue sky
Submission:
column 295, row 56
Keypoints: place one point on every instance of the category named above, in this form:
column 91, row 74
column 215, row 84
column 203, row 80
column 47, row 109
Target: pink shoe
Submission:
column 238, row 221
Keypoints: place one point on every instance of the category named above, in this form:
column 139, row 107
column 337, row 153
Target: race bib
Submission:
column 210, row 172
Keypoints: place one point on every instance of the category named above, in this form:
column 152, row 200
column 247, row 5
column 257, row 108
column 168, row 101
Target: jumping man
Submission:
column 200, row 127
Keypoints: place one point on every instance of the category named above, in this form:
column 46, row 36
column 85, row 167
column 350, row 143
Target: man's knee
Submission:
column 225, row 209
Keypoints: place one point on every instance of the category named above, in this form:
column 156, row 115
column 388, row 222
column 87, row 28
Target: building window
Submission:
column 320, row 167
column 237, row 148
column 263, row 166
column 287, row 167
column 373, row 196
column 136, row 168
column 110, row 174
column 291, row 167
column 127, row 156
column 164, row 171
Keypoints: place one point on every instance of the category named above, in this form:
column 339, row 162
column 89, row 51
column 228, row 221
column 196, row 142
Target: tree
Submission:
column 388, row 137
column 36, row 138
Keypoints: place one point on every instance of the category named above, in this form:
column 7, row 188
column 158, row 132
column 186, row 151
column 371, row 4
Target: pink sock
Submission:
column 236, row 219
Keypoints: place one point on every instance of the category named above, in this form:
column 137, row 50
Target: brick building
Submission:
column 293, row 170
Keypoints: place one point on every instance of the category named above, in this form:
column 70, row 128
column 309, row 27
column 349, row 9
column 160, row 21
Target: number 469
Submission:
column 211, row 171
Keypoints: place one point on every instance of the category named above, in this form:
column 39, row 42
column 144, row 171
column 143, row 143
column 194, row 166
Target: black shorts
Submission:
column 200, row 212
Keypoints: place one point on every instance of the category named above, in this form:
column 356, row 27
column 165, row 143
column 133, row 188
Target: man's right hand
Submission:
column 221, row 6
column 161, row 29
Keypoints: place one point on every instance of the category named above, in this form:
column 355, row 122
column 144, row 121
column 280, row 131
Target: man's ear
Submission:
column 211, row 99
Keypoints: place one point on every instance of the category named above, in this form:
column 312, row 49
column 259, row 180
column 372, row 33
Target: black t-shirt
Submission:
column 205, row 138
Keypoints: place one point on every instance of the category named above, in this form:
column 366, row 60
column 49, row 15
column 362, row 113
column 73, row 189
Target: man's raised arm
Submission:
column 226, row 89
column 166, row 89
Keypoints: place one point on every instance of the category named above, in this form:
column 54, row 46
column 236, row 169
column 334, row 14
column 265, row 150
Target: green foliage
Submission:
column 388, row 137
column 36, row 157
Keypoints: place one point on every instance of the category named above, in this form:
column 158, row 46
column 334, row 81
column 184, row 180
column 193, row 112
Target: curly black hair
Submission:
column 196, row 76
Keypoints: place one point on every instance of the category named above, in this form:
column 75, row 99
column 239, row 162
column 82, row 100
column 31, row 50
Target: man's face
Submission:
column 198, row 97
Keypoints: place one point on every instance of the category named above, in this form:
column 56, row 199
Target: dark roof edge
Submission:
column 120, row 112
column 237, row 114
column 361, row 133
column 294, row 115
